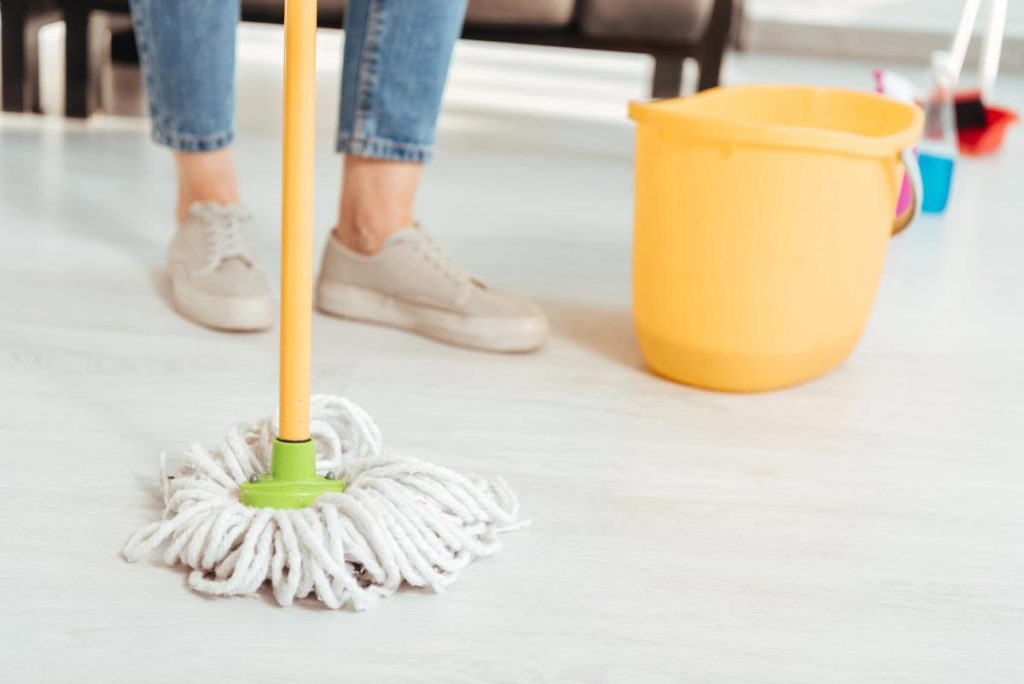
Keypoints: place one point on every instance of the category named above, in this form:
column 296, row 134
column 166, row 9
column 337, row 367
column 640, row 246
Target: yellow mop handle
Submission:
column 297, row 217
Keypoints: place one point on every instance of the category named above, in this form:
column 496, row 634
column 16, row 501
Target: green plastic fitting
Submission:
column 292, row 482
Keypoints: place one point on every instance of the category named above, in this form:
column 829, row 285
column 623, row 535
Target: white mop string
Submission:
column 399, row 520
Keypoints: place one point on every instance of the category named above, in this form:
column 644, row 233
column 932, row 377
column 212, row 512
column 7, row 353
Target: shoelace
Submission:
column 441, row 260
column 224, row 235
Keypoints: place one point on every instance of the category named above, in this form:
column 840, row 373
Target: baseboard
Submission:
column 870, row 43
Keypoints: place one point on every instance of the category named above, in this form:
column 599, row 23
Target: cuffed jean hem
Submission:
column 382, row 148
column 187, row 142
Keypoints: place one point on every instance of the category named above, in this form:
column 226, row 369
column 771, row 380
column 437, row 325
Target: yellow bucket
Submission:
column 763, row 214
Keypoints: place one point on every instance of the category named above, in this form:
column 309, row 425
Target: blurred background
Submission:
column 861, row 527
column 39, row 58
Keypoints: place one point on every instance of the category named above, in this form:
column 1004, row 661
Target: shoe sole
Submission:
column 231, row 314
column 487, row 334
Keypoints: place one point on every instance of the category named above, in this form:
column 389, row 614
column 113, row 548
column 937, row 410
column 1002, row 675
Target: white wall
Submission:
column 882, row 30
column 931, row 16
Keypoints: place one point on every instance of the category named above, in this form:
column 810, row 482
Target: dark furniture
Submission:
column 669, row 30
column 21, row 21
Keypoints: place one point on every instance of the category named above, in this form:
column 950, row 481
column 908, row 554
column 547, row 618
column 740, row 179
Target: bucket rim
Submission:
column 664, row 112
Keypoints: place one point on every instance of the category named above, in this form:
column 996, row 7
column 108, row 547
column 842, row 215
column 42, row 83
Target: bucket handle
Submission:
column 913, row 173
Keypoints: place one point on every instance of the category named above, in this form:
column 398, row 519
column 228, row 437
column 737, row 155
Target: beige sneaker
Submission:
column 213, row 278
column 412, row 284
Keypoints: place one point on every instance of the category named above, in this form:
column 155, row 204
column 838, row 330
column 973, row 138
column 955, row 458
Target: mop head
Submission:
column 399, row 520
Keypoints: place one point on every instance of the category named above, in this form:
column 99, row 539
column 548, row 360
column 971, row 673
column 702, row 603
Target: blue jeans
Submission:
column 396, row 61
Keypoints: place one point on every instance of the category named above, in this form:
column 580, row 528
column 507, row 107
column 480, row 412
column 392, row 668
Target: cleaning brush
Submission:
column 306, row 502
column 971, row 109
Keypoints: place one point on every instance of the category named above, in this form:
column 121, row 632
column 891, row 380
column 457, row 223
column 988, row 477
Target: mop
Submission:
column 306, row 501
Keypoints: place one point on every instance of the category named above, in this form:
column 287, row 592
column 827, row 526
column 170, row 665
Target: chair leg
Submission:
column 716, row 40
column 79, row 85
column 12, row 38
column 738, row 38
column 668, row 77
column 34, row 101
column 710, row 70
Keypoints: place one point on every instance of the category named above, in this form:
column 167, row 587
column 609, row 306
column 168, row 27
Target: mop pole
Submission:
column 993, row 46
column 293, row 482
column 407, row 511
column 297, row 218
column 962, row 38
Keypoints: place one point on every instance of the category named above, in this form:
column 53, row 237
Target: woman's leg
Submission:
column 187, row 50
column 377, row 266
column 376, row 199
column 397, row 54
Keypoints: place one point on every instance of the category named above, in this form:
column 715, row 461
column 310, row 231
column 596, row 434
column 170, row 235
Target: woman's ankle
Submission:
column 205, row 177
column 376, row 200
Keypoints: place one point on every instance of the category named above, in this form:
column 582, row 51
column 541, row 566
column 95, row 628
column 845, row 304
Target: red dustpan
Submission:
column 986, row 139
column 985, row 135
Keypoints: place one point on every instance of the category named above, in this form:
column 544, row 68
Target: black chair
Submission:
column 87, row 19
column 21, row 21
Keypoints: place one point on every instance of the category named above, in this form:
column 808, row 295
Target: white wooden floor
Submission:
column 866, row 527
